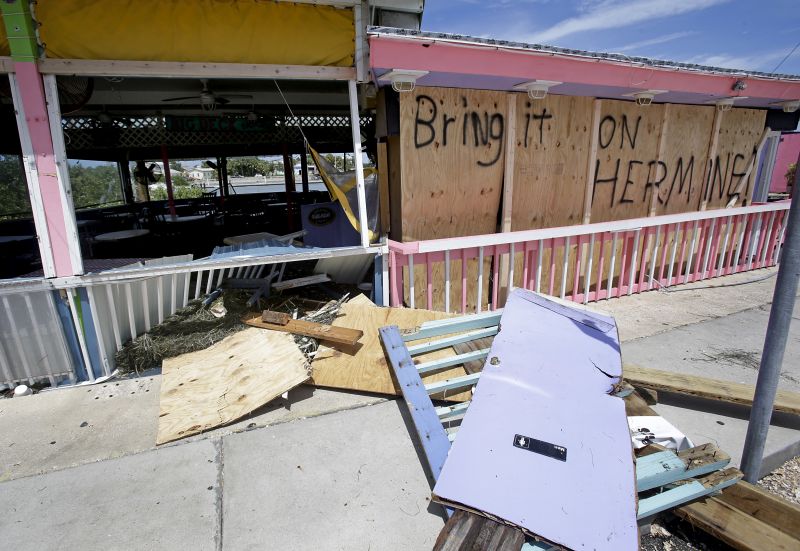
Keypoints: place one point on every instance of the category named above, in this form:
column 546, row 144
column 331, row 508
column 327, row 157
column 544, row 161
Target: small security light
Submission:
column 537, row 89
column 645, row 97
column 403, row 80
column 791, row 106
column 739, row 85
column 725, row 104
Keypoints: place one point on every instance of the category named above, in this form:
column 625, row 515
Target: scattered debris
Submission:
column 22, row 390
column 213, row 387
column 278, row 321
column 784, row 481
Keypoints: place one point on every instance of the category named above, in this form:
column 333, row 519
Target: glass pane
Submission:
column 95, row 184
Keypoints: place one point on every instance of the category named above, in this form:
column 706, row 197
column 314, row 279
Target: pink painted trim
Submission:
column 576, row 278
column 776, row 235
column 464, row 281
column 35, row 105
column 429, row 278
column 484, row 60
column 749, row 223
column 761, row 238
column 664, row 247
column 712, row 255
column 733, row 242
column 552, row 282
column 526, row 254
column 598, row 290
column 645, row 257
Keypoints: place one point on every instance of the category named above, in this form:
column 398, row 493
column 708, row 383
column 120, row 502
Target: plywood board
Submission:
column 739, row 134
column 524, row 447
column 212, row 387
column 627, row 159
column 679, row 182
column 553, row 139
column 452, row 143
column 365, row 368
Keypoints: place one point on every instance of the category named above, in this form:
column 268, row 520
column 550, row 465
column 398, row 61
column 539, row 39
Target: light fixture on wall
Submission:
column 725, row 104
column 789, row 106
column 403, row 80
column 739, row 85
column 645, row 97
column 537, row 89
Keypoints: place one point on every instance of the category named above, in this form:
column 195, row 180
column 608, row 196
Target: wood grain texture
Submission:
column 627, row 152
column 764, row 506
column 212, row 387
column 328, row 333
column 550, row 166
column 447, row 188
column 713, row 389
column 364, row 368
column 689, row 130
column 739, row 134
column 466, row 531
column 472, row 346
column 736, row 527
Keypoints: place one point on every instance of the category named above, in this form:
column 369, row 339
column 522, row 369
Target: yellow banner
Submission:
column 222, row 31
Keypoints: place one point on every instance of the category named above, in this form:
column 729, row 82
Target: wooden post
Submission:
column 508, row 191
column 304, row 170
column 383, row 187
column 219, row 178
column 288, row 169
column 592, row 162
column 662, row 140
column 125, row 180
column 711, row 159
column 168, row 180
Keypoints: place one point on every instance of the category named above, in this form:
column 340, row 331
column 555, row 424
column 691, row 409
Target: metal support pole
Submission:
column 359, row 165
column 304, row 170
column 780, row 317
column 168, row 180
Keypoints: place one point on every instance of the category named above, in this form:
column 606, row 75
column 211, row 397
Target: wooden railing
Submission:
column 585, row 263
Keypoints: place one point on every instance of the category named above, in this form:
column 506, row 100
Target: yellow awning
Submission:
column 223, row 31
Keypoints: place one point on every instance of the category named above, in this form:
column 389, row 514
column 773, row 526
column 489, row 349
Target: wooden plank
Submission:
column 685, row 156
column 668, row 466
column 431, row 434
column 711, row 155
column 764, row 506
column 383, row 187
column 712, row 389
column 692, row 489
column 508, row 168
column 212, row 387
column 452, row 172
column 626, row 160
column 300, row 282
column 364, row 368
column 552, row 146
column 737, row 527
column 277, row 318
column 467, row 530
column 470, row 346
column 663, row 132
column 739, row 133
column 591, row 162
column 327, row 333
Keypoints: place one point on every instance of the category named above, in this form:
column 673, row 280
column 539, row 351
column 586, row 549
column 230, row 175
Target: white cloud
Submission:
column 612, row 15
column 652, row 41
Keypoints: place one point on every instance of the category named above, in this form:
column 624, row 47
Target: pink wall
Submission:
column 788, row 150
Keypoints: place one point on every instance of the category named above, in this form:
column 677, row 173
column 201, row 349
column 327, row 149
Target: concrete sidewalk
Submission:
column 334, row 470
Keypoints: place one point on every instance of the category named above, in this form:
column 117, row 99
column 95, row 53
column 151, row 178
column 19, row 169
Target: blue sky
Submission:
column 739, row 34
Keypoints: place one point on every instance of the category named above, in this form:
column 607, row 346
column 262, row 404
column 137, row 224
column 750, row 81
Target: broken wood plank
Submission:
column 702, row 387
column 366, row 369
column 213, row 387
column 692, row 489
column 474, row 366
column 763, row 521
column 668, row 466
column 301, row 282
column 467, row 531
column 328, row 333
column 277, row 318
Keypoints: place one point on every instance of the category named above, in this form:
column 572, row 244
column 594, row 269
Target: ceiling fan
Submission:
column 209, row 101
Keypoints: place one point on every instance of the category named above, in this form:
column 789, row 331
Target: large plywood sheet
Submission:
column 627, row 160
column 553, row 138
column 551, row 370
column 212, row 387
column 364, row 368
column 739, row 133
column 686, row 142
column 452, row 143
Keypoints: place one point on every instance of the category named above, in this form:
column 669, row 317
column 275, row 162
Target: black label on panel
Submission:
column 541, row 447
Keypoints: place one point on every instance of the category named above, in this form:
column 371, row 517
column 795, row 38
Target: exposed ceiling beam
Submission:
column 173, row 69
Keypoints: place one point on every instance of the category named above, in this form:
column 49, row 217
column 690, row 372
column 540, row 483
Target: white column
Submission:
column 359, row 165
